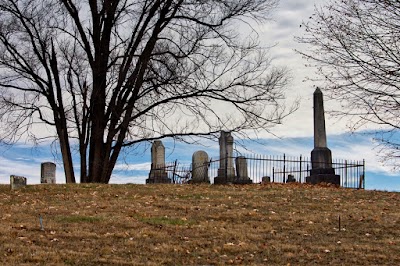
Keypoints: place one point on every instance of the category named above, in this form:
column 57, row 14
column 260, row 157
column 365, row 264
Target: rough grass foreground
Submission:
column 198, row 225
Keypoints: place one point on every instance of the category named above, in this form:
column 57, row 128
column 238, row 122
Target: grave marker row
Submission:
column 47, row 176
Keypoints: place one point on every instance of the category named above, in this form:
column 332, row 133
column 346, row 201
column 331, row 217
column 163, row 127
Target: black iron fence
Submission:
column 277, row 169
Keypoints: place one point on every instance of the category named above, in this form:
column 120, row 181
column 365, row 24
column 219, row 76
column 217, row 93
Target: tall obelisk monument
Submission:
column 321, row 156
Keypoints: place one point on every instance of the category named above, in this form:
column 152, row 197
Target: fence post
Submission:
column 226, row 166
column 345, row 173
column 284, row 168
column 273, row 174
column 362, row 177
column 300, row 168
column 174, row 171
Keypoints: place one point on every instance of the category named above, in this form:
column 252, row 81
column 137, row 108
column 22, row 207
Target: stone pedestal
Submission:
column 158, row 178
column 321, row 158
column 324, row 178
column 242, row 176
column 158, row 174
column 200, row 167
column 322, row 170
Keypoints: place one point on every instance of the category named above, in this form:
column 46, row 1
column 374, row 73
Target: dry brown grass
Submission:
column 198, row 225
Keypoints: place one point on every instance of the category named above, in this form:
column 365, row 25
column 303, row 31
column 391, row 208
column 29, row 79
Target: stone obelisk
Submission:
column 321, row 157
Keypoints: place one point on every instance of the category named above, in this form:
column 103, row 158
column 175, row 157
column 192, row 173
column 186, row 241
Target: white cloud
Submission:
column 132, row 167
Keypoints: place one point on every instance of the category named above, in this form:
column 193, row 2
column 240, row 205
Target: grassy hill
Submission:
column 272, row 224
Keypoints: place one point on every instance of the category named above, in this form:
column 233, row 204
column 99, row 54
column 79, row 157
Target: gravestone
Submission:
column 48, row 173
column 321, row 156
column 265, row 179
column 158, row 174
column 200, row 167
column 242, row 176
column 17, row 181
column 226, row 171
column 290, row 179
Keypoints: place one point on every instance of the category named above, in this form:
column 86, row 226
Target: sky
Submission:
column 294, row 137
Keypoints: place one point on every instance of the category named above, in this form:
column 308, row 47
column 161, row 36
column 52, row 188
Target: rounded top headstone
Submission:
column 48, row 173
column 200, row 156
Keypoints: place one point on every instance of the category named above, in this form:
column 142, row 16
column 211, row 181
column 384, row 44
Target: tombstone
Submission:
column 321, row 156
column 226, row 171
column 290, row 179
column 48, row 173
column 17, row 181
column 200, row 167
column 242, row 176
column 158, row 174
column 265, row 179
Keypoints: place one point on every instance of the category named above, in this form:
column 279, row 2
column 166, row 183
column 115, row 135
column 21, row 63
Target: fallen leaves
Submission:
column 200, row 225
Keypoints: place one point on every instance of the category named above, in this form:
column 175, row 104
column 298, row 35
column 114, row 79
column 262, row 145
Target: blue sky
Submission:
column 295, row 133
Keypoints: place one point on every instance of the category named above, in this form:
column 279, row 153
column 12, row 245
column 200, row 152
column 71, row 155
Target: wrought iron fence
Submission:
column 277, row 169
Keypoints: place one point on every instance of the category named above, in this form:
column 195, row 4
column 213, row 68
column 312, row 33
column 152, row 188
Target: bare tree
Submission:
column 356, row 45
column 105, row 75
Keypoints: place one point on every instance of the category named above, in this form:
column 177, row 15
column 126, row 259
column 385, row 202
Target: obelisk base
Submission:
column 223, row 178
column 158, row 177
column 322, row 170
column 242, row 181
column 321, row 158
column 324, row 178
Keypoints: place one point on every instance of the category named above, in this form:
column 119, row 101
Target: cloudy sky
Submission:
column 295, row 134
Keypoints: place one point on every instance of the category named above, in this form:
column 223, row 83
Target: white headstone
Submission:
column 200, row 167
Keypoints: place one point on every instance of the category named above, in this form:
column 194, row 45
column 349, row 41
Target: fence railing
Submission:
column 277, row 168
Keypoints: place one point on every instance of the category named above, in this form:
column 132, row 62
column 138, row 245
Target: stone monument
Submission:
column 242, row 176
column 48, row 173
column 200, row 167
column 158, row 174
column 321, row 156
column 17, row 181
column 265, row 179
column 290, row 179
column 226, row 171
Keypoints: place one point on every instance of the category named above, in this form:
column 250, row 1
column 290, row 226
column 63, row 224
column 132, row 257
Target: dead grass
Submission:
column 198, row 225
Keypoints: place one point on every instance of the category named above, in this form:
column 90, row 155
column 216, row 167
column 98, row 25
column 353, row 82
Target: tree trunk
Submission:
column 66, row 156
column 97, row 146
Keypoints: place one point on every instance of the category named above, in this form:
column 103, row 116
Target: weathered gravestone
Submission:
column 200, row 167
column 242, row 176
column 265, row 179
column 158, row 174
column 17, row 181
column 290, row 179
column 48, row 173
column 226, row 171
column 321, row 156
